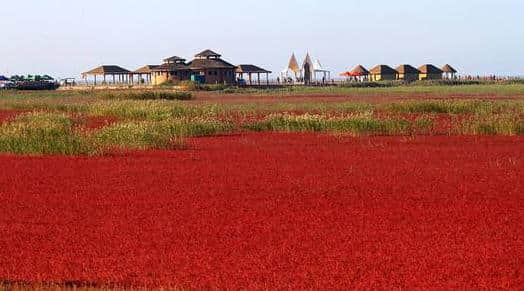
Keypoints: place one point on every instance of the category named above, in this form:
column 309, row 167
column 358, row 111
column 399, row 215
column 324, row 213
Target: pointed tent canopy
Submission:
column 3, row 78
column 449, row 69
column 308, row 62
column 293, row 65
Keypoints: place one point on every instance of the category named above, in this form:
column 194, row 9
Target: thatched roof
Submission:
column 382, row 70
column 107, row 70
column 171, row 67
column 429, row 69
column 208, row 54
column 448, row 69
column 407, row 69
column 147, row 69
column 360, row 70
column 250, row 69
column 198, row 64
column 174, row 59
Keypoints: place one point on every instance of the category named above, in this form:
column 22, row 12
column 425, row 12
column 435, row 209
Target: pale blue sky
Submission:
column 64, row 38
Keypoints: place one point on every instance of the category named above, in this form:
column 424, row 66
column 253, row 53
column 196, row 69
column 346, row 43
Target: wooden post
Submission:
column 258, row 79
column 95, row 79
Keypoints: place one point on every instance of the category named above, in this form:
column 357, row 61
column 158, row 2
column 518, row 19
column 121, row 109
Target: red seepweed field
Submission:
column 271, row 211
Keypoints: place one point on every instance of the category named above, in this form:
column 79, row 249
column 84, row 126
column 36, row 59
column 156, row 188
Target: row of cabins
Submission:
column 207, row 67
column 405, row 72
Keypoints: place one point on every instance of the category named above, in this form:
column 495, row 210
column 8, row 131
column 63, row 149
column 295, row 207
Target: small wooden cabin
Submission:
column 382, row 73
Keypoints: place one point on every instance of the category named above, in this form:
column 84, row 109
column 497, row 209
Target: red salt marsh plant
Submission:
column 271, row 211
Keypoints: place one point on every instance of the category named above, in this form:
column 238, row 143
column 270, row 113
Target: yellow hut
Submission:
column 382, row 73
column 407, row 73
column 430, row 72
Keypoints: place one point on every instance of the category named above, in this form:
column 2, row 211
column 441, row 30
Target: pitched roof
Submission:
column 360, row 70
column 145, row 69
column 429, row 69
column 3, row 78
column 406, row 69
column 171, row 67
column 209, row 64
column 174, row 59
column 382, row 70
column 107, row 69
column 448, row 69
column 250, row 69
column 207, row 53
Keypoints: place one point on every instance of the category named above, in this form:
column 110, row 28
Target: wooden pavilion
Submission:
column 123, row 75
column 449, row 72
column 144, row 74
column 251, row 70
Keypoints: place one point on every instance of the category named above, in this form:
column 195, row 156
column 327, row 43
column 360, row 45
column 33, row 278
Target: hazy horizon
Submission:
column 63, row 39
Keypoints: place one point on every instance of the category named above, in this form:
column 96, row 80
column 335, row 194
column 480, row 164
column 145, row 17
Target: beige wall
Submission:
column 383, row 77
column 158, row 78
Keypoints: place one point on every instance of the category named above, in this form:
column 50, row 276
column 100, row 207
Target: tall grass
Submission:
column 43, row 134
column 146, row 95
column 499, row 124
column 156, row 134
column 357, row 124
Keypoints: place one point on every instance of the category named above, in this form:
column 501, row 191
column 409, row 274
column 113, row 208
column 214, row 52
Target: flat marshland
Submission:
column 294, row 188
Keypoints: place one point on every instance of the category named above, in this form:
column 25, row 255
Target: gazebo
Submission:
column 146, row 71
column 109, row 70
column 250, row 70
column 449, row 71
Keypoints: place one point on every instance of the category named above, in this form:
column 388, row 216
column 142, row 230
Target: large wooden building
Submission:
column 208, row 67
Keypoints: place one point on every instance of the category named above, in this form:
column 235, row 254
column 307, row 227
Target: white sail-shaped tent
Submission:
column 319, row 69
column 292, row 69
